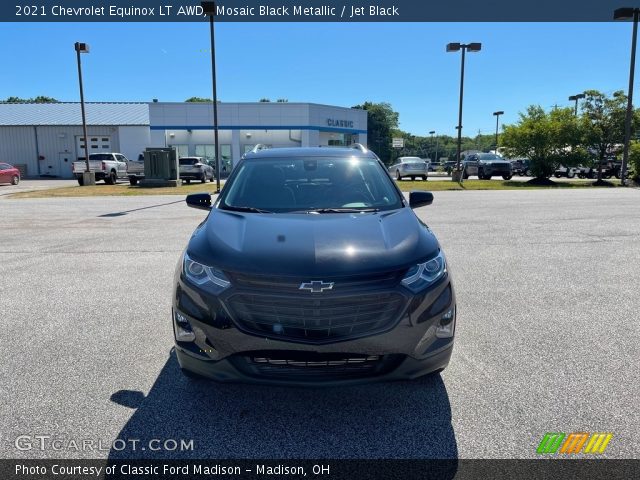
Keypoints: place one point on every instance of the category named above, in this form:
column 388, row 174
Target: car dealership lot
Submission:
column 547, row 337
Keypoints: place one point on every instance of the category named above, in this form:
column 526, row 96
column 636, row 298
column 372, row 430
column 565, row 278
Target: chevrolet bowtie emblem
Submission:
column 317, row 286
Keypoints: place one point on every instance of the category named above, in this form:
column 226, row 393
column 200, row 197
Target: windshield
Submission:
column 310, row 184
column 189, row 161
column 488, row 156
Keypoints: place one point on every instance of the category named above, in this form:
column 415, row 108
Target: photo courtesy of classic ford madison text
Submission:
column 313, row 240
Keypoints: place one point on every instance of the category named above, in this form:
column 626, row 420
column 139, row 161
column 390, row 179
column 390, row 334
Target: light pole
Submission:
column 454, row 47
column 87, row 176
column 431, row 133
column 625, row 14
column 576, row 97
column 497, row 114
column 209, row 8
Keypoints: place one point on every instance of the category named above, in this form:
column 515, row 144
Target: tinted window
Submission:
column 100, row 156
column 310, row 183
column 488, row 156
column 189, row 161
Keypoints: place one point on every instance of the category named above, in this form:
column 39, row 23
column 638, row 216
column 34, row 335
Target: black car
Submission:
column 485, row 166
column 311, row 267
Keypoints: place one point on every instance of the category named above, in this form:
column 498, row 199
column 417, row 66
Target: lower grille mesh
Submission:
column 315, row 320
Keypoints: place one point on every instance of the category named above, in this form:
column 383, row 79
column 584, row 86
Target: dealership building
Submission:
column 42, row 139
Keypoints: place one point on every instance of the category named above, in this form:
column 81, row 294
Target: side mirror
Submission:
column 199, row 200
column 419, row 198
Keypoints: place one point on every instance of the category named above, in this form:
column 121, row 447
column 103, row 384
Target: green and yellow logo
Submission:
column 593, row 443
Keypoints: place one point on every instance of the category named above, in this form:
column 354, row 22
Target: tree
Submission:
column 548, row 139
column 38, row 99
column 381, row 120
column 283, row 100
column 603, row 120
column 634, row 160
column 265, row 100
column 198, row 100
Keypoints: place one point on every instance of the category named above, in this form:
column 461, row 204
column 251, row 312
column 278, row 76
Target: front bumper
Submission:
column 407, row 349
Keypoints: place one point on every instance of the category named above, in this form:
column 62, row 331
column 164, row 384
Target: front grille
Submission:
column 283, row 284
column 313, row 366
column 315, row 319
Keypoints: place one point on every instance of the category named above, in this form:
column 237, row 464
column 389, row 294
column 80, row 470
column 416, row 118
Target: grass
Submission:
column 119, row 190
column 433, row 186
column 445, row 185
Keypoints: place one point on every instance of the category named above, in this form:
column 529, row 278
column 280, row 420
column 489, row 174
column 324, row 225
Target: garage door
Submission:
column 97, row 144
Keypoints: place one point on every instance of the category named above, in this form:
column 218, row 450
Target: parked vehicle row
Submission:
column 112, row 167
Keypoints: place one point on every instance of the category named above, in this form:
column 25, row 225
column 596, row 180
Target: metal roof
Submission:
column 68, row 113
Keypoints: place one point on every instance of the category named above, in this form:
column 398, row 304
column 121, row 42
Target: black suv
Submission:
column 311, row 267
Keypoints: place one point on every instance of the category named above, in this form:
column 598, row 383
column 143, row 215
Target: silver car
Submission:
column 410, row 167
column 195, row 168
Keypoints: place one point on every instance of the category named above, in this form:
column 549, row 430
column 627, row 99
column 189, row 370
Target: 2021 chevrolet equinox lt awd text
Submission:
column 311, row 267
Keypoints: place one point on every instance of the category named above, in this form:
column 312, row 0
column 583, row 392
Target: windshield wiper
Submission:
column 341, row 210
column 245, row 209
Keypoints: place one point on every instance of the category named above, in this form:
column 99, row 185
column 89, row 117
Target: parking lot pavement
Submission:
column 27, row 185
column 548, row 337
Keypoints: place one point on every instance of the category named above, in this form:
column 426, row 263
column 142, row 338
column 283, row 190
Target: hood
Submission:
column 312, row 244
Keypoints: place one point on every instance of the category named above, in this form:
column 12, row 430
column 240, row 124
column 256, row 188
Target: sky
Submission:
column 337, row 64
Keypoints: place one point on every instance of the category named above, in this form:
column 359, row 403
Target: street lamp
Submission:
column 88, row 178
column 626, row 14
column 454, row 47
column 431, row 133
column 209, row 8
column 576, row 97
column 497, row 114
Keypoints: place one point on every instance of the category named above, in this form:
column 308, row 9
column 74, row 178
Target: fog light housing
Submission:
column 182, row 328
column 447, row 324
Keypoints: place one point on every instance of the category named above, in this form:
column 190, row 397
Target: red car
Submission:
column 9, row 174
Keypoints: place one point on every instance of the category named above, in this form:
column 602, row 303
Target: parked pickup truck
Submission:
column 135, row 170
column 106, row 166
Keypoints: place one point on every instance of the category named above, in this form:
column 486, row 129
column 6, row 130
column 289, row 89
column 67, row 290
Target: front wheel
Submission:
column 111, row 179
column 15, row 180
column 507, row 177
column 557, row 175
column 424, row 178
column 204, row 178
column 133, row 181
column 571, row 173
column 80, row 181
column 398, row 176
column 413, row 179
column 528, row 173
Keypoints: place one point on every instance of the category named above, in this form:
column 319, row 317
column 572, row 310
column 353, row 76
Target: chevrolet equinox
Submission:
column 311, row 268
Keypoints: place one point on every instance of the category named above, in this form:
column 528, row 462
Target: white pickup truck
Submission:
column 107, row 166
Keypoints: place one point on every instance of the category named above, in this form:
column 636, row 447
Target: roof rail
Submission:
column 359, row 146
column 258, row 147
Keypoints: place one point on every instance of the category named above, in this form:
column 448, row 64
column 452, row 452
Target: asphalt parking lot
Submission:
column 548, row 338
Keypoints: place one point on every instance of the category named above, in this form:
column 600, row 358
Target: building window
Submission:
column 181, row 150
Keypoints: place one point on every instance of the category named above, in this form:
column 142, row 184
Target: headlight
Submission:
column 207, row 277
column 424, row 274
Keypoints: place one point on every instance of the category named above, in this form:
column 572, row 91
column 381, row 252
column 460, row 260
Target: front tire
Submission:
column 413, row 179
column 15, row 180
column 80, row 181
column 424, row 178
column 571, row 173
column 133, row 181
column 111, row 179
column 204, row 178
column 528, row 173
column 398, row 176
column 507, row 177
